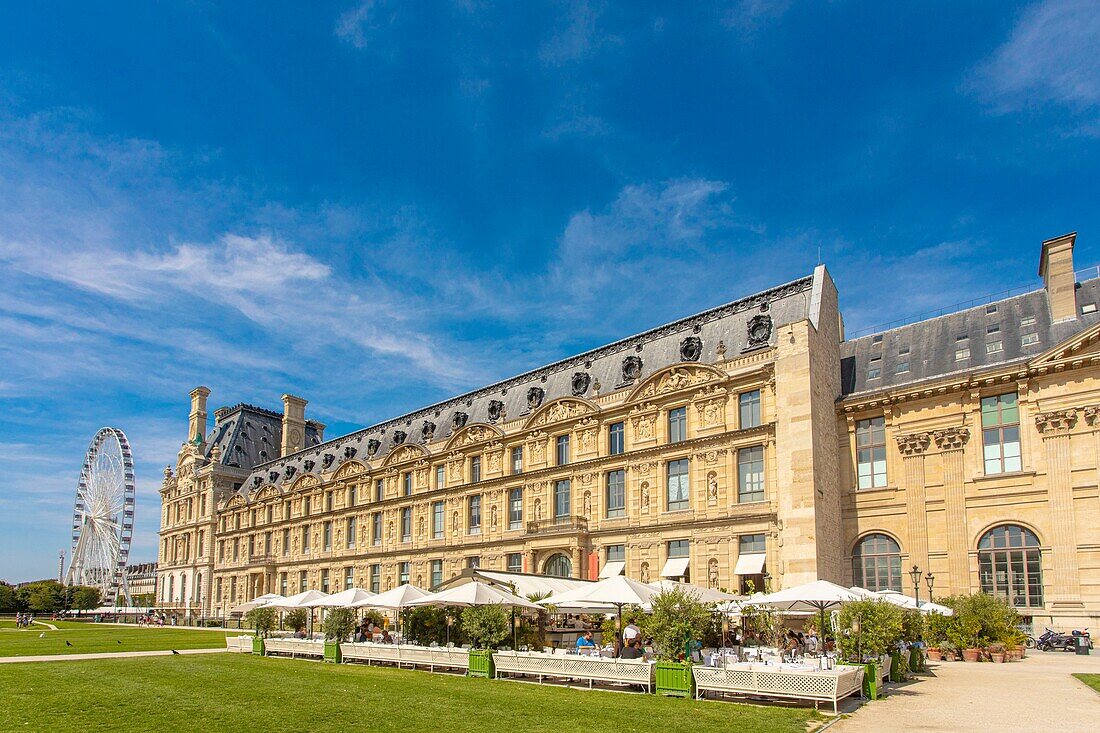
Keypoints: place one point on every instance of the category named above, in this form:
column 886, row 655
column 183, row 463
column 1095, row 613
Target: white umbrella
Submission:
column 394, row 599
column 819, row 595
column 305, row 599
column 703, row 595
column 256, row 602
column 345, row 598
column 618, row 591
column 474, row 593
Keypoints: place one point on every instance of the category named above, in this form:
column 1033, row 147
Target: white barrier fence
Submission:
column 575, row 666
column 782, row 681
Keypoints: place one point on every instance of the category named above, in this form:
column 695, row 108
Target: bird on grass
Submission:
column 117, row 641
column 67, row 643
column 42, row 635
column 175, row 652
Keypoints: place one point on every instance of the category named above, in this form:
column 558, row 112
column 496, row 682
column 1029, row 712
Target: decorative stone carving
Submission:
column 404, row 453
column 477, row 433
column 645, row 496
column 496, row 410
column 326, row 460
column 712, row 572
column 587, row 504
column 721, row 350
column 951, row 438
column 642, row 419
column 272, row 476
column 1056, row 421
column 458, row 420
column 632, row 368
column 538, row 509
column 493, row 518
column 691, row 348
column 712, row 487
column 643, row 468
column 677, row 379
column 534, row 397
column 373, row 446
column 399, row 437
column 256, row 480
column 1092, row 415
column 454, row 467
column 759, row 331
column 580, row 383
column 427, row 431
column 913, row 444
column 644, row 575
column 289, row 471
column 308, row 465
column 538, row 447
column 349, row 452
column 588, row 440
column 710, row 405
column 492, row 458
column 564, row 410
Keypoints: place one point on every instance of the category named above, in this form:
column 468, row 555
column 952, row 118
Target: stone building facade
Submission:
column 747, row 445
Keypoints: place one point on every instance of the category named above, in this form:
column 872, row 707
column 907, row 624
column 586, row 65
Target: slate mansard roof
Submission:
column 657, row 348
column 932, row 344
column 248, row 436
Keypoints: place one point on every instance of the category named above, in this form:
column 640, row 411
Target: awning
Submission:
column 675, row 567
column 611, row 569
column 750, row 564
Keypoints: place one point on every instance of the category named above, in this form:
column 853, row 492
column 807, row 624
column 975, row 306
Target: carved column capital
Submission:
column 1056, row 422
column 1092, row 415
column 913, row 444
column 951, row 438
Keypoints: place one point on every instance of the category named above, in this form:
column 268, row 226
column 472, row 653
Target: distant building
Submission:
column 748, row 445
column 142, row 580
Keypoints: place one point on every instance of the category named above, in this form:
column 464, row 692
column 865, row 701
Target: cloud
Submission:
column 1049, row 59
column 749, row 16
column 578, row 39
column 357, row 24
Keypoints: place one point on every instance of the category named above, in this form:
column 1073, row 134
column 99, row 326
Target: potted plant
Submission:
column 872, row 629
column 678, row 618
column 263, row 621
column 997, row 652
column 485, row 627
column 296, row 620
column 948, row 651
column 338, row 625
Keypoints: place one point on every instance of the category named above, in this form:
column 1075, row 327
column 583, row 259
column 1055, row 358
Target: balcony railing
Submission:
column 558, row 525
column 261, row 560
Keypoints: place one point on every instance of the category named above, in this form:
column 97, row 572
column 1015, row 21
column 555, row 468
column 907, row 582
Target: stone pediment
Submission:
column 1082, row 345
column 475, row 433
column 236, row 502
column 405, row 453
column 566, row 408
column 266, row 492
column 675, row 378
column 306, row 482
column 347, row 469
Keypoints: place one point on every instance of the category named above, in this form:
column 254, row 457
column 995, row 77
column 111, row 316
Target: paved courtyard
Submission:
column 1036, row 694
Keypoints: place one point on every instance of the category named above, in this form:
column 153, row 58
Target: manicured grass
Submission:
column 1092, row 680
column 94, row 638
column 239, row 692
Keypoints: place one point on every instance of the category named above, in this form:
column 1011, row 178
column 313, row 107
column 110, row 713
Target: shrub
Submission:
column 428, row 623
column 338, row 624
column 936, row 628
column 297, row 619
column 880, row 628
column 912, row 624
column 262, row 620
column 677, row 618
column 982, row 619
column 486, row 626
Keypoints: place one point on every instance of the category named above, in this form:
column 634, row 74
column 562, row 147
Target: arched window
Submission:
column 171, row 588
column 1010, row 565
column 876, row 563
column 558, row 566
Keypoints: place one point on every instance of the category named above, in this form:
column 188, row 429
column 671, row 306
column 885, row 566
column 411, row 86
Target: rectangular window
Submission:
column 871, row 453
column 475, row 469
column 678, row 484
column 437, row 573
column 375, row 578
column 403, row 573
column 328, row 502
column 1029, row 339
column 749, row 404
column 962, row 354
column 351, row 496
column 286, row 542
column 437, row 520
column 561, row 498
column 349, row 577
column 232, row 589
column 349, row 533
column 267, row 544
column 616, row 493
column 750, row 474
column 218, row 591
column 1029, row 321
column 750, row 544
column 1088, row 308
column 874, row 373
column 376, row 528
column 283, row 584
column 440, row 477
column 270, row 512
column 677, row 425
column 305, row 506
column 902, row 367
column 379, row 490
column 515, row 509
column 406, row 524
column 615, row 553
column 473, row 515
column 679, row 548
column 515, row 562
column 1001, row 433
column 473, row 562
column 328, row 536
column 303, row 582
column 305, row 539
column 562, row 449
column 616, row 438
column 517, row 460
column 993, row 347
column 408, row 482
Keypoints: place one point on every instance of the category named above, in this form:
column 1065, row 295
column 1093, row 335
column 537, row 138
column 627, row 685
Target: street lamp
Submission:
column 450, row 622
column 915, row 575
column 930, row 579
column 766, row 577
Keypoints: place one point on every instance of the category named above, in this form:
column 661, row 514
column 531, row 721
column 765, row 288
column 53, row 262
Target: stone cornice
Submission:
column 1056, row 422
column 951, row 438
column 914, row 444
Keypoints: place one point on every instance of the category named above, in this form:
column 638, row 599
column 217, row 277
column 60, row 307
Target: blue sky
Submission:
column 375, row 205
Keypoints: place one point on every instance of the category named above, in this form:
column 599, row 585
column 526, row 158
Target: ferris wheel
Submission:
column 103, row 517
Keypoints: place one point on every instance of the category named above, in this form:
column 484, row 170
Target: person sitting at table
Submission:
column 585, row 641
column 632, row 650
column 386, row 638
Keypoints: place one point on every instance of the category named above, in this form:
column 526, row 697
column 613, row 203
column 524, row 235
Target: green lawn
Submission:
column 238, row 692
column 1092, row 680
column 90, row 638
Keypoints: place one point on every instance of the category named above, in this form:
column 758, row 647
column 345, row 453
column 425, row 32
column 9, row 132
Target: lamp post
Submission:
column 915, row 575
column 450, row 621
column 516, row 620
column 930, row 579
column 766, row 577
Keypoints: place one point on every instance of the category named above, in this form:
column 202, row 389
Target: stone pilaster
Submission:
column 951, row 442
column 912, row 447
column 1055, row 427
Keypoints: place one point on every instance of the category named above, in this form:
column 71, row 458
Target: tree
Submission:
column 43, row 596
column 485, row 626
column 880, row 628
column 297, row 619
column 83, row 598
column 9, row 603
column 677, row 618
column 262, row 620
column 338, row 624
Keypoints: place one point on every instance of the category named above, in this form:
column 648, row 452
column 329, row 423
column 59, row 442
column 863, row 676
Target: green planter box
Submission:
column 870, row 680
column 916, row 660
column 897, row 668
column 257, row 646
column 332, row 652
column 481, row 664
column 674, row 679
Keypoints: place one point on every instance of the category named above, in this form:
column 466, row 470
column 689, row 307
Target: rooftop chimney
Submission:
column 196, row 427
column 1056, row 269
column 294, row 424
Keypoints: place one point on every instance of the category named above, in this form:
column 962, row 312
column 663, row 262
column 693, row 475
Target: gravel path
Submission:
column 104, row 655
column 1036, row 694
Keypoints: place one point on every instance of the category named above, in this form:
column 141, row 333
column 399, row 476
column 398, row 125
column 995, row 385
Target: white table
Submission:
column 239, row 643
column 788, row 681
column 575, row 666
column 295, row 647
column 407, row 654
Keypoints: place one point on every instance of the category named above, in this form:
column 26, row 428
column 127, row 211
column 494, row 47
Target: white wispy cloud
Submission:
column 1049, row 59
column 748, row 16
column 579, row 36
column 360, row 24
